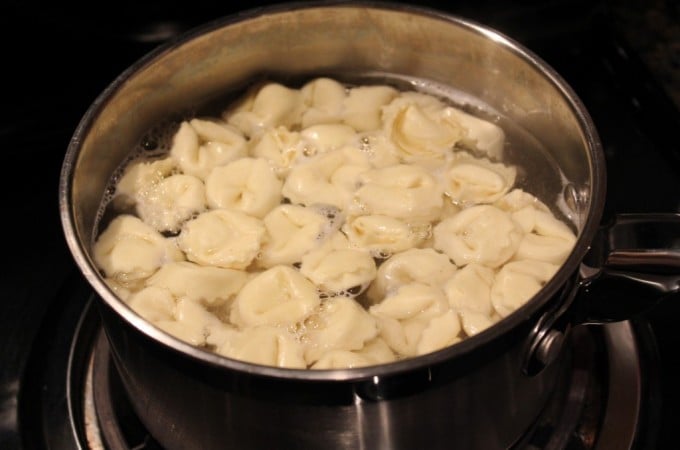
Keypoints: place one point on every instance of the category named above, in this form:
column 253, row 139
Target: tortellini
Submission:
column 472, row 180
column 340, row 323
column 265, row 345
column 402, row 191
column 483, row 234
column 201, row 145
column 223, row 238
column 277, row 296
column 329, row 226
column 129, row 250
column 248, row 185
column 336, row 268
column 326, row 179
column 205, row 284
column 292, row 231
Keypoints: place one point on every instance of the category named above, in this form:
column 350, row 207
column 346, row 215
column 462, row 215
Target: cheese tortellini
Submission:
column 328, row 226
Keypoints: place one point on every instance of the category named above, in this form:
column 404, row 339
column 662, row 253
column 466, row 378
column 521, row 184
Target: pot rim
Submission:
column 596, row 196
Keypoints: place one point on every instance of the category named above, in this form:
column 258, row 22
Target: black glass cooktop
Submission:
column 57, row 57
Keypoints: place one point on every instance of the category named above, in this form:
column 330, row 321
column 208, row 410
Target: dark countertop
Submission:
column 652, row 28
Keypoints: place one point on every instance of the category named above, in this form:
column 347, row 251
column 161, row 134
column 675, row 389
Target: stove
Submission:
column 58, row 389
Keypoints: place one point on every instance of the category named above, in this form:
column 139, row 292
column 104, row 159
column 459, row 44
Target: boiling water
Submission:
column 537, row 171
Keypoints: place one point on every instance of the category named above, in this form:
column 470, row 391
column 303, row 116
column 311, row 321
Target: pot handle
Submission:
column 633, row 263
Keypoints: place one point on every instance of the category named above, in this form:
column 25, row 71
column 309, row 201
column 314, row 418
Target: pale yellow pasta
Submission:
column 265, row 345
column 377, row 351
column 483, row 234
column 200, row 145
column 222, row 238
column 270, row 105
column 403, row 191
column 420, row 127
column 141, row 175
column 323, row 138
column 324, row 98
column 378, row 149
column 546, row 238
column 518, row 199
column 247, row 184
column 382, row 235
column 277, row 296
column 291, row 232
column 363, row 106
column 340, row 323
column 341, row 359
column 401, row 336
column 192, row 322
column 470, row 289
column 280, row 146
column 417, row 265
column 129, row 250
column 410, row 301
column 470, row 180
column 415, row 319
column 442, row 331
column 166, row 205
column 153, row 303
column 474, row 322
column 518, row 281
column 205, row 284
column 329, row 226
column 325, row 179
column 480, row 134
column 121, row 291
column 335, row 267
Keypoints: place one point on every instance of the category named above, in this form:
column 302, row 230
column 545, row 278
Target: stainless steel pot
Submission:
column 482, row 393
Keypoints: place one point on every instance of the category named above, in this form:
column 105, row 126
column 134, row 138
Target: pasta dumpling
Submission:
column 191, row 322
column 129, row 250
column 326, row 179
column 222, row 238
column 205, row 284
column 336, row 268
column 405, row 315
column 266, row 345
column 470, row 289
column 419, row 265
column 142, row 175
column 383, row 235
column 329, row 225
column 200, row 145
column 324, row 98
column 403, row 191
column 362, row 108
column 280, row 146
column 483, row 234
column 292, row 231
column 172, row 201
column 277, row 296
column 153, row 303
column 518, row 281
column 481, row 135
column 420, row 127
column 470, row 180
column 340, row 323
column 546, row 238
column 269, row 105
column 247, row 184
